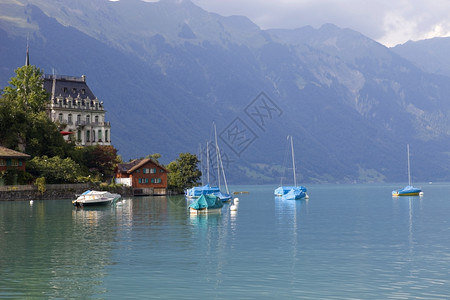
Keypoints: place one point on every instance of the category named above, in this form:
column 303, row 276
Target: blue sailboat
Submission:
column 207, row 189
column 409, row 190
column 291, row 192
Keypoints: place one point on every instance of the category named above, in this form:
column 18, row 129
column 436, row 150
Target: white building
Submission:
column 78, row 113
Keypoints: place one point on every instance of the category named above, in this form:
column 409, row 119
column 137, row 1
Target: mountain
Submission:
column 167, row 70
column 430, row 54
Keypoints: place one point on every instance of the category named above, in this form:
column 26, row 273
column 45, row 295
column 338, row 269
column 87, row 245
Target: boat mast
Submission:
column 293, row 160
column 217, row 156
column 201, row 161
column 207, row 162
column 409, row 170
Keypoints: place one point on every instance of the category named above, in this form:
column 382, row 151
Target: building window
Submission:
column 83, row 91
column 143, row 180
column 20, row 163
column 96, row 119
column 88, row 119
column 146, row 171
column 65, row 90
column 99, row 135
column 106, row 135
column 156, row 180
column 69, row 118
column 93, row 135
column 79, row 135
column 60, row 118
column 2, row 162
column 8, row 162
column 88, row 135
column 161, row 171
column 78, row 117
column 153, row 170
column 74, row 90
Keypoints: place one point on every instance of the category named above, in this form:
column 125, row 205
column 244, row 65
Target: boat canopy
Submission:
column 283, row 190
column 295, row 193
column 206, row 201
column 197, row 191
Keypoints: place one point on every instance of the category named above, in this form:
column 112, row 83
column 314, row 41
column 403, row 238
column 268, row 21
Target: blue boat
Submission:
column 206, row 203
column 291, row 192
column 409, row 190
column 197, row 191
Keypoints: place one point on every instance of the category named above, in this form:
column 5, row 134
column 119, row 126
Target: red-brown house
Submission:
column 11, row 160
column 146, row 176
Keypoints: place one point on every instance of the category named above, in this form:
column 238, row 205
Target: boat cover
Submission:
column 206, row 201
column 197, row 191
column 408, row 190
column 223, row 196
column 283, row 190
column 295, row 194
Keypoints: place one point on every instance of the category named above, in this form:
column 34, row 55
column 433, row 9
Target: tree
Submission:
column 24, row 125
column 184, row 172
column 56, row 169
column 99, row 160
column 154, row 156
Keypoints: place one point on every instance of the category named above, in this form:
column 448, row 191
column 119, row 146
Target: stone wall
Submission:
column 54, row 191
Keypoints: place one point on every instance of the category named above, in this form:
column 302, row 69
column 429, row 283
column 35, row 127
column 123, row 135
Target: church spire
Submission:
column 27, row 59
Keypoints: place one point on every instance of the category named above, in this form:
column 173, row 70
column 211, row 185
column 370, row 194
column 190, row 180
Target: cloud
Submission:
column 389, row 22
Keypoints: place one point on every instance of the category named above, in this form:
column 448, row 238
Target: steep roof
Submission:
column 9, row 153
column 66, row 86
column 136, row 164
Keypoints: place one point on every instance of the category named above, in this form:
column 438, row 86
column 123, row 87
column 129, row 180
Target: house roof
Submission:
column 9, row 153
column 136, row 164
column 66, row 86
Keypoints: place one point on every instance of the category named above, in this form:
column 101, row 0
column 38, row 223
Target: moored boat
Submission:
column 91, row 198
column 291, row 192
column 409, row 190
column 206, row 203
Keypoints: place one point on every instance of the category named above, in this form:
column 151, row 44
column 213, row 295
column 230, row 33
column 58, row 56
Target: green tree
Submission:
column 56, row 169
column 100, row 161
column 24, row 124
column 154, row 156
column 184, row 172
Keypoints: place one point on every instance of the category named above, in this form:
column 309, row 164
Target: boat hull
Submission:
column 95, row 198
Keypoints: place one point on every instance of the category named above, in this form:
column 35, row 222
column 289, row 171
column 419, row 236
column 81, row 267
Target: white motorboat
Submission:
column 96, row 198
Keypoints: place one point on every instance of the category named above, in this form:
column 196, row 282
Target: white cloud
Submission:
column 389, row 22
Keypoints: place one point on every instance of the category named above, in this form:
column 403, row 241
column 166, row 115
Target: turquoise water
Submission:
column 345, row 242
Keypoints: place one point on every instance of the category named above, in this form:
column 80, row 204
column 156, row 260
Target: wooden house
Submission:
column 11, row 160
column 146, row 176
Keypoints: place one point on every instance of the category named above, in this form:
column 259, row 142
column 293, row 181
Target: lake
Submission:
column 345, row 242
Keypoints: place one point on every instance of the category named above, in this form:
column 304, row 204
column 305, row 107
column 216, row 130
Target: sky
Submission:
column 390, row 22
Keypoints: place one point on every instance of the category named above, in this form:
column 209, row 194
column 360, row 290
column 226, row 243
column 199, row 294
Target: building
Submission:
column 79, row 114
column 146, row 176
column 11, row 160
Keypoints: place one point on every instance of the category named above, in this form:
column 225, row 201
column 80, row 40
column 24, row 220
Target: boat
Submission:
column 409, row 190
column 197, row 191
column 205, row 204
column 91, row 198
column 207, row 189
column 291, row 192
